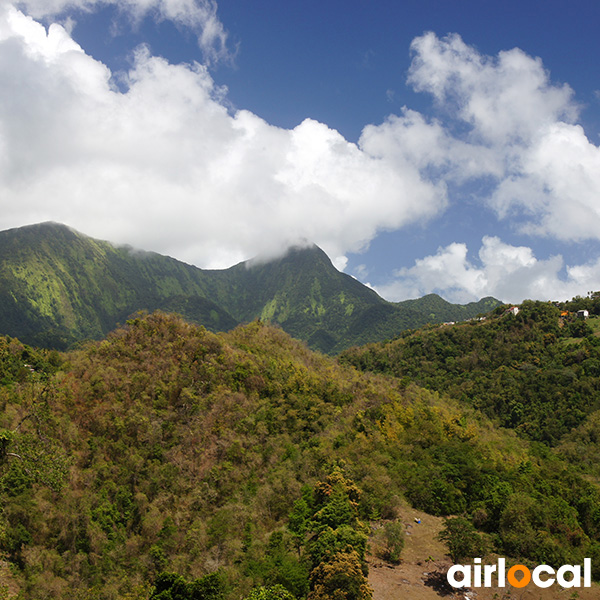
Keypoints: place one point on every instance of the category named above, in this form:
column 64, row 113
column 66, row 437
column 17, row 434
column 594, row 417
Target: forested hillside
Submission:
column 536, row 372
column 170, row 457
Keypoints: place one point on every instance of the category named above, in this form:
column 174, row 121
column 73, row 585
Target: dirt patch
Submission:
column 422, row 573
column 423, row 556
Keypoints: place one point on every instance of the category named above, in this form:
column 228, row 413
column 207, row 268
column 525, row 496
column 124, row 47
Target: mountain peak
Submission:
column 304, row 253
column 44, row 226
column 58, row 286
column 37, row 233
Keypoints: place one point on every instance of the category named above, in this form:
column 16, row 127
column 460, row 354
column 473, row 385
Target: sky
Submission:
column 426, row 145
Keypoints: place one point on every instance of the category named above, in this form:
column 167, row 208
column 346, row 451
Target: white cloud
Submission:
column 412, row 139
column 509, row 273
column 505, row 99
column 198, row 15
column 515, row 130
column 164, row 166
column 558, row 184
column 361, row 271
column 521, row 132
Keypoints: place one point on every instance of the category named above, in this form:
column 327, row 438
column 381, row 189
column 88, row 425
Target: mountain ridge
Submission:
column 59, row 286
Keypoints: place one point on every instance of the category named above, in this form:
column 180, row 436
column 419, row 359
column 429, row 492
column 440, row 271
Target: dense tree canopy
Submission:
column 535, row 372
column 246, row 456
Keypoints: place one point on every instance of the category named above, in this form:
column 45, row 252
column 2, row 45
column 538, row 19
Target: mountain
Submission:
column 58, row 286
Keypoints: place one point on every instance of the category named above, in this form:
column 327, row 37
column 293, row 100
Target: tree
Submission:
column 462, row 539
column 338, row 540
column 393, row 537
column 336, row 502
column 329, row 542
column 273, row 592
column 171, row 586
column 334, row 526
column 340, row 578
column 32, row 447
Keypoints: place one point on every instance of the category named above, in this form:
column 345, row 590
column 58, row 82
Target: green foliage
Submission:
column 281, row 567
column 337, row 539
column 518, row 369
column 20, row 363
column 329, row 542
column 14, row 539
column 335, row 502
column 580, row 329
column 393, row 538
column 334, row 526
column 299, row 517
column 340, row 578
column 6, row 438
column 170, row 586
column 29, row 450
column 462, row 540
column 591, row 303
column 274, row 592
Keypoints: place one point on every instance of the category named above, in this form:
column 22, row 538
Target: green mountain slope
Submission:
column 58, row 286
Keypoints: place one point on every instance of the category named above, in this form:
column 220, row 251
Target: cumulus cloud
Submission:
column 558, row 184
column 505, row 99
column 428, row 144
column 198, row 15
column 509, row 273
column 521, row 132
column 163, row 165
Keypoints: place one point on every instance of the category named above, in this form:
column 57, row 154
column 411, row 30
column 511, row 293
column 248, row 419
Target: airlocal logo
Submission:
column 543, row 576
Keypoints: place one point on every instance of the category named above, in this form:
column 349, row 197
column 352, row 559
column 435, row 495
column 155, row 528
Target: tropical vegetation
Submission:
column 167, row 461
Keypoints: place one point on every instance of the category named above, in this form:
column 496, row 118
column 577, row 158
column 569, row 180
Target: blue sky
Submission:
column 426, row 146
